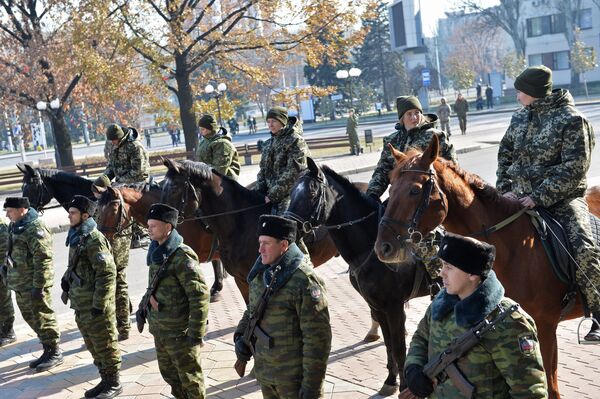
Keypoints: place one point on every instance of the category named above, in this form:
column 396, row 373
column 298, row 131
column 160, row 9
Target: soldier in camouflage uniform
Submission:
column 293, row 362
column 31, row 277
column 352, row 132
column 414, row 130
column 178, row 309
column 7, row 312
column 127, row 163
column 218, row 151
column 506, row 362
column 90, row 284
column 543, row 160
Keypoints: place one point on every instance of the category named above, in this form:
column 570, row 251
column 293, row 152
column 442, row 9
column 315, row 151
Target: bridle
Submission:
column 414, row 235
column 187, row 187
column 38, row 183
column 122, row 219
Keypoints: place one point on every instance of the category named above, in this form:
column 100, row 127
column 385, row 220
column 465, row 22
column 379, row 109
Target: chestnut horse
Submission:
column 427, row 191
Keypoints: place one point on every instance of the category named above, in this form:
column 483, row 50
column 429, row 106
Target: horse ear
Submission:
column 399, row 156
column 432, row 151
column 113, row 193
column 312, row 166
column 170, row 164
column 28, row 169
column 21, row 168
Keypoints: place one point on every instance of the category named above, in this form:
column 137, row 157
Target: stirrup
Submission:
column 584, row 342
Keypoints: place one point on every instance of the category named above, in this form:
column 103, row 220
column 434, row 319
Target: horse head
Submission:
column 416, row 204
column 33, row 186
column 178, row 190
column 112, row 213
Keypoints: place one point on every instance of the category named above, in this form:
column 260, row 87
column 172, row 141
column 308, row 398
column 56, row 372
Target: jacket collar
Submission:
column 158, row 253
column 82, row 230
column 289, row 262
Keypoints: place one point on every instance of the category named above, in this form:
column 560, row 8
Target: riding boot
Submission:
column 594, row 334
column 112, row 386
column 95, row 391
column 53, row 359
column 7, row 334
column 41, row 359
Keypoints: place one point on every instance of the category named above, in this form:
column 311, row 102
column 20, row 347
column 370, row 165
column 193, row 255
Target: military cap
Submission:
column 16, row 202
column 535, row 81
column 278, row 113
column 84, row 204
column 406, row 103
column 277, row 227
column 114, row 132
column 164, row 213
column 208, row 121
column 468, row 254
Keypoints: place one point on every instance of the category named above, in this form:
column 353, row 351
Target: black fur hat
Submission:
column 277, row 227
column 16, row 202
column 84, row 204
column 468, row 254
column 164, row 213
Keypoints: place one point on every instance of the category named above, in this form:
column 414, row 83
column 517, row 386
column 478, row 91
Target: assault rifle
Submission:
column 249, row 336
column 142, row 313
column 8, row 262
column 71, row 274
column 443, row 365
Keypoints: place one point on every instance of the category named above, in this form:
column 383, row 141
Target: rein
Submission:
column 121, row 221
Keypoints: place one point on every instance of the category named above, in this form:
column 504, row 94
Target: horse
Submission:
column 119, row 204
column 427, row 191
column 230, row 210
column 322, row 197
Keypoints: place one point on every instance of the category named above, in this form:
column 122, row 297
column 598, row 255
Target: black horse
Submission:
column 322, row 197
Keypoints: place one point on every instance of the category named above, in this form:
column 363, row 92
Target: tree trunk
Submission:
column 62, row 141
column 185, row 96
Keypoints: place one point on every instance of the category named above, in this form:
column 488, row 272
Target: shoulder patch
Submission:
column 40, row 233
column 315, row 292
column 527, row 343
column 101, row 257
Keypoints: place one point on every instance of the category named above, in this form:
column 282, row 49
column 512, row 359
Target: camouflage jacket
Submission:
column 283, row 158
column 443, row 112
column 461, row 107
column 546, row 151
column 128, row 162
column 95, row 267
column 352, row 126
column 31, row 254
column 182, row 293
column 296, row 318
column 506, row 363
column 402, row 140
column 219, row 152
column 3, row 240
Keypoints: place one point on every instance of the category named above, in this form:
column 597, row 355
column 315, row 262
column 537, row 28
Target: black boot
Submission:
column 95, row 391
column 594, row 334
column 7, row 334
column 53, row 359
column 112, row 387
column 41, row 359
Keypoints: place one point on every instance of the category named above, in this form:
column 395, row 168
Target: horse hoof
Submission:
column 593, row 336
column 388, row 390
column 215, row 296
column 371, row 338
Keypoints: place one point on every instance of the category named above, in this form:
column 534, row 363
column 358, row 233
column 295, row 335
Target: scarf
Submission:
column 158, row 253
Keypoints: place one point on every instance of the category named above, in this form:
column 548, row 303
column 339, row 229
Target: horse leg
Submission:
column 390, row 386
column 549, row 349
column 215, row 290
column 396, row 323
column 373, row 334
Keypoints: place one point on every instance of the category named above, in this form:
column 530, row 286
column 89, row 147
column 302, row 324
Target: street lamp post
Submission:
column 221, row 88
column 43, row 106
column 352, row 73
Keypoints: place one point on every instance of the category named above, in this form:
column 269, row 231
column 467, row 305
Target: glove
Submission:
column 96, row 312
column 37, row 294
column 417, row 381
column 193, row 341
column 64, row 284
column 241, row 349
column 306, row 393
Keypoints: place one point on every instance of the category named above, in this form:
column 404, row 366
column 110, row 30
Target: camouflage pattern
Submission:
column 219, row 152
column 32, row 257
column 183, row 298
column 352, row 131
column 506, row 363
column 120, row 246
column 297, row 318
column 7, row 312
column 128, row 161
column 97, row 270
column 283, row 158
column 545, row 154
column 428, row 254
column 443, row 112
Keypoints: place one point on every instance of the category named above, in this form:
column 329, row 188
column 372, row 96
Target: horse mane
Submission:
column 348, row 186
column 60, row 176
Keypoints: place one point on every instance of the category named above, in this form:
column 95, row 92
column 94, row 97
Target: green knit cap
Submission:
column 278, row 113
column 208, row 121
column 406, row 103
column 535, row 81
column 102, row 181
column 114, row 132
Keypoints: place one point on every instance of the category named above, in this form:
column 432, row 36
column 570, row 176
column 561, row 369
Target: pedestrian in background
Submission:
column 352, row 132
column 489, row 96
column 461, row 107
column 443, row 112
column 148, row 138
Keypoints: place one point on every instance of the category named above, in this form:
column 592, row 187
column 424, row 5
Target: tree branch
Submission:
column 159, row 11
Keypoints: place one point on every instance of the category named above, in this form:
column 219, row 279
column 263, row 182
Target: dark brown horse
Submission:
column 427, row 191
column 231, row 210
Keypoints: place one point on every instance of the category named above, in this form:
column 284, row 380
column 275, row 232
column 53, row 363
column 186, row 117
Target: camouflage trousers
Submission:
column 280, row 391
column 354, row 141
column 38, row 314
column 575, row 218
column 427, row 253
column 179, row 365
column 7, row 312
column 100, row 337
column 120, row 250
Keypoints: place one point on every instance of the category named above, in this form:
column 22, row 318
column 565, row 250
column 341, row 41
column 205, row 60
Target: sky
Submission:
column 432, row 10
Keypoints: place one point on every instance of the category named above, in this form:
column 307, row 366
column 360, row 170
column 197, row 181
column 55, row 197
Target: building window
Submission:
column 546, row 25
column 556, row 61
column 584, row 19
